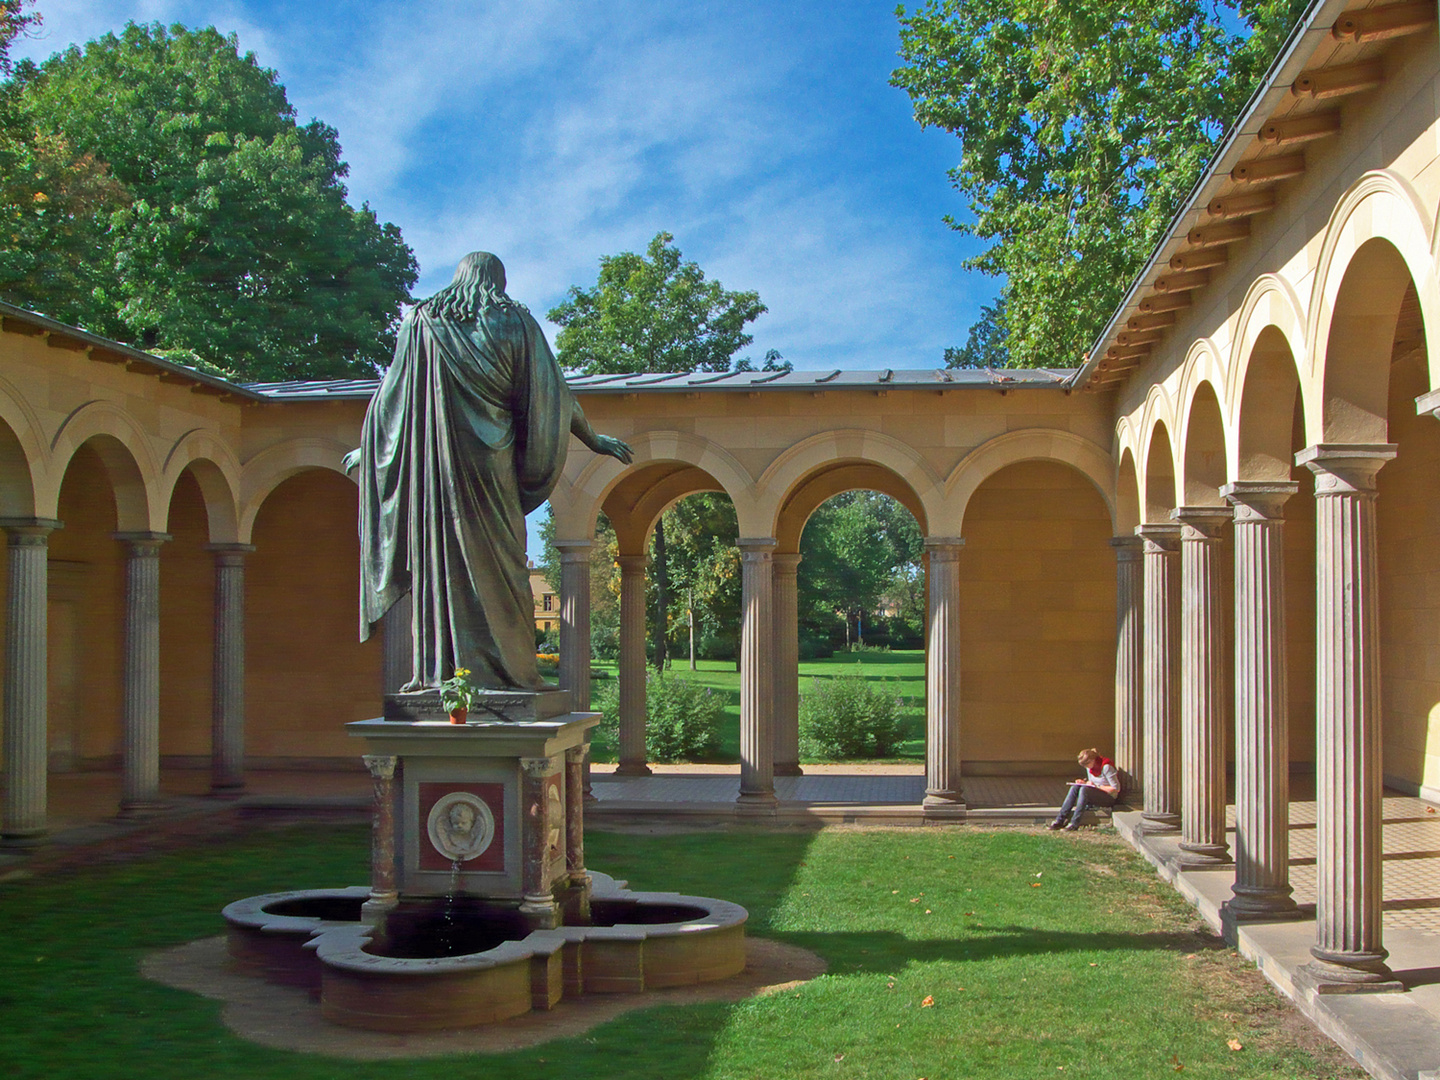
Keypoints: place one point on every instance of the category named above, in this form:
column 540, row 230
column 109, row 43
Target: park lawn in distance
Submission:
column 901, row 673
column 1038, row 955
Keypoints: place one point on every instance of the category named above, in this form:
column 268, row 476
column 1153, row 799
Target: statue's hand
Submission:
column 351, row 461
column 606, row 444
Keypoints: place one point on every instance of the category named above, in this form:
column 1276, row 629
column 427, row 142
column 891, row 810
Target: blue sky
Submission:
column 765, row 136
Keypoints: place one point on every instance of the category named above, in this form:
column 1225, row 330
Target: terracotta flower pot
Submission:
column 458, row 714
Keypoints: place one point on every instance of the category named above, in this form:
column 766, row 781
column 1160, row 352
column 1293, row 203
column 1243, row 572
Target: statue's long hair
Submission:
column 479, row 284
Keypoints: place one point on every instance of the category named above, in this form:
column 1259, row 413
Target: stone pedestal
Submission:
column 787, row 666
column 1348, row 953
column 140, row 783
column 227, row 709
column 26, row 603
column 486, row 810
column 942, row 678
column 632, row 667
column 1162, row 677
column 1129, row 662
column 1262, row 713
column 1204, row 686
column 757, row 677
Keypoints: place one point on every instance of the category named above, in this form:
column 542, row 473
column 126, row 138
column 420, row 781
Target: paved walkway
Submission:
column 1395, row 1036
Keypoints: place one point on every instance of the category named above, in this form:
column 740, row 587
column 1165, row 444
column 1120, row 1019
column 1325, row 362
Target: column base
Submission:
column 1201, row 856
column 943, row 804
column 541, row 912
column 1159, row 824
column 142, row 808
column 758, row 803
column 1348, row 973
column 374, row 911
column 788, row 769
column 633, row 768
column 1259, row 905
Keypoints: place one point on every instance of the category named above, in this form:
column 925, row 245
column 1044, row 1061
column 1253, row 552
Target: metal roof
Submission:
column 747, row 381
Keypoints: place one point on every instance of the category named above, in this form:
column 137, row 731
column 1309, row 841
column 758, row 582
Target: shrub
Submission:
column 682, row 718
column 845, row 717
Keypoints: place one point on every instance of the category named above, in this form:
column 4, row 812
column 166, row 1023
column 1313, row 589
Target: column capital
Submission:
column 1127, row 548
column 1259, row 500
column 756, row 545
column 574, row 550
column 381, row 766
column 1345, row 468
column 1159, row 537
column 1428, row 404
column 633, row 564
column 143, row 543
column 29, row 529
column 1198, row 523
column 231, row 549
column 538, row 767
column 786, row 563
column 943, row 548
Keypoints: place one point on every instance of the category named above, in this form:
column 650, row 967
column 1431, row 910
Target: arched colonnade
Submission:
column 1280, row 479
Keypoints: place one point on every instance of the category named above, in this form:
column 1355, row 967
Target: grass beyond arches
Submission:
column 1040, row 954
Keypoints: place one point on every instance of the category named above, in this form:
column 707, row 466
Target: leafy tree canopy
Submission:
column 986, row 345
column 652, row 313
column 217, row 229
column 1082, row 125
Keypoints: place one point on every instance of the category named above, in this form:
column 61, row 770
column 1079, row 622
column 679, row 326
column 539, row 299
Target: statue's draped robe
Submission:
column 466, row 435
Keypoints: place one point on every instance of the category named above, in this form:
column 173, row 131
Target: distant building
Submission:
column 547, row 604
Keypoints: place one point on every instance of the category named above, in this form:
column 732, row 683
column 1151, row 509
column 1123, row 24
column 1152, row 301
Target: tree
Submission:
column 223, row 237
column 986, row 344
column 858, row 548
column 654, row 313
column 1082, row 125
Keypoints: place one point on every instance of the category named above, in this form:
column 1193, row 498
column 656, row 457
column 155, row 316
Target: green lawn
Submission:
column 1041, row 954
column 901, row 673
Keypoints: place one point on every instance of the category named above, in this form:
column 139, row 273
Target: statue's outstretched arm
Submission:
column 601, row 444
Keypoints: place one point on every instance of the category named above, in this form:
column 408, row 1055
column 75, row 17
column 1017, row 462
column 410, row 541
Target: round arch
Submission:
column 1269, row 393
column 216, row 470
column 576, row 502
column 1204, row 469
column 1127, row 495
column 1034, row 444
column 824, row 483
column 1158, row 484
column 125, row 452
column 23, row 454
column 263, row 473
column 888, row 457
column 1377, row 236
column 635, row 504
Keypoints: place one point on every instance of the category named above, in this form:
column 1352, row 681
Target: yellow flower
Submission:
column 461, row 672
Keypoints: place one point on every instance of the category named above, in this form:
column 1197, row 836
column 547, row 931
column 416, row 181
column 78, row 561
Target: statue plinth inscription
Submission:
column 506, row 706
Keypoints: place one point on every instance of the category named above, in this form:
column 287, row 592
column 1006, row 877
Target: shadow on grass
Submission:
column 877, row 951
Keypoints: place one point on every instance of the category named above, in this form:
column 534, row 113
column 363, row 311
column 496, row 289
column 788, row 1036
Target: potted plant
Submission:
column 457, row 694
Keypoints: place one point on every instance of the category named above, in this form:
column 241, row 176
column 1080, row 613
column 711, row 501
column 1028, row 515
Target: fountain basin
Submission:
column 635, row 941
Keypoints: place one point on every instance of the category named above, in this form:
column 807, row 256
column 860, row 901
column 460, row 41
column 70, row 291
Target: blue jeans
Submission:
column 1079, row 799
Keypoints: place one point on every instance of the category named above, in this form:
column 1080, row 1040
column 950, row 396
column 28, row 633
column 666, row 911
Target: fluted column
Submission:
column 1348, row 954
column 1162, row 678
column 25, row 738
column 384, row 880
column 632, row 666
column 140, row 783
column 1129, row 661
column 757, row 675
column 575, row 621
column 942, row 676
column 227, row 703
column 787, row 666
column 1204, row 691
column 397, row 641
column 1262, row 710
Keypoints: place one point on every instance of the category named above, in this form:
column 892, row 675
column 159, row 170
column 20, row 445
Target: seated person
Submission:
column 1100, row 786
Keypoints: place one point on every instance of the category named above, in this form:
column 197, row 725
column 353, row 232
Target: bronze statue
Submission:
column 466, row 435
